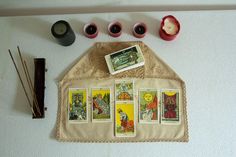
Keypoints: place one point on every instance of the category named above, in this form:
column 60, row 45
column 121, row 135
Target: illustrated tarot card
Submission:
column 78, row 108
column 125, row 122
column 124, row 90
column 170, row 106
column 148, row 106
column 101, row 108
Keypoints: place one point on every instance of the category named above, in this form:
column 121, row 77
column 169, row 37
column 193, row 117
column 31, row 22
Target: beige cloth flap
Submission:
column 91, row 71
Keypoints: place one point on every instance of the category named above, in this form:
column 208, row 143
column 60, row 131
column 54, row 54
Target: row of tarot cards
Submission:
column 154, row 106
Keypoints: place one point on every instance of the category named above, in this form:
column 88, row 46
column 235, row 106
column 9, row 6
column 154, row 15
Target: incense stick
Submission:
column 26, row 94
column 29, row 82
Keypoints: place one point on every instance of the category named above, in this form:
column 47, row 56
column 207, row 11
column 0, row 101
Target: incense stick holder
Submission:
column 39, row 86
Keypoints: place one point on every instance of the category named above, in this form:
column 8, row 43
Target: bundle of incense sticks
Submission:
column 29, row 82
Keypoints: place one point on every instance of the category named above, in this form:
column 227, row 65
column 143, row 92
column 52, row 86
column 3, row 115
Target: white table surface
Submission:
column 204, row 55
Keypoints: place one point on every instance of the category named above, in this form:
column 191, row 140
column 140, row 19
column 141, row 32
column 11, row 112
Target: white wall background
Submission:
column 42, row 7
column 71, row 3
column 203, row 55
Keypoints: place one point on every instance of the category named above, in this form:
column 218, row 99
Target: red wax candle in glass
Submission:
column 115, row 29
column 170, row 28
column 139, row 30
column 90, row 30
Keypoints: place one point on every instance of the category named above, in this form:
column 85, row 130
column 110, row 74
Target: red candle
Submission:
column 90, row 30
column 170, row 28
column 139, row 30
column 115, row 29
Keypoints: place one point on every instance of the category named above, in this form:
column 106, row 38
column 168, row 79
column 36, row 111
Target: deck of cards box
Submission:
column 125, row 100
column 125, row 59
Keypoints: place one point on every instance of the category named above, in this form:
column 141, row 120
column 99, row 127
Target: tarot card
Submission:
column 101, row 108
column 124, row 90
column 170, row 106
column 125, row 122
column 78, row 108
column 148, row 106
column 125, row 59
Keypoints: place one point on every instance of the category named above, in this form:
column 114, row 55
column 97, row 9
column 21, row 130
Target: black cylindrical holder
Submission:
column 63, row 33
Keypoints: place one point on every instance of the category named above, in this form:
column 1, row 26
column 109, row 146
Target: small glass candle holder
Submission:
column 170, row 28
column 115, row 29
column 63, row 33
column 139, row 30
column 90, row 30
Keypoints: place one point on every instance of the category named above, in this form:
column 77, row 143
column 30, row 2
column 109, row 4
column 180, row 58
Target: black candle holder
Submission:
column 63, row 33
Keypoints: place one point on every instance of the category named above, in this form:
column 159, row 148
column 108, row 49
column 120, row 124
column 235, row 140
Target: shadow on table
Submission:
column 127, row 25
column 53, row 132
column 77, row 26
column 101, row 24
column 153, row 24
column 21, row 104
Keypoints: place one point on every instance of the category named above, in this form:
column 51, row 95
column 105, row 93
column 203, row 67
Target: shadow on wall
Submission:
column 34, row 26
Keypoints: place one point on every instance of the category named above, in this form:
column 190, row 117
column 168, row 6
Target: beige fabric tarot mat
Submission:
column 91, row 71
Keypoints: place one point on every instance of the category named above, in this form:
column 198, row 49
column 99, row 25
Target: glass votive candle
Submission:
column 139, row 30
column 90, row 30
column 115, row 29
